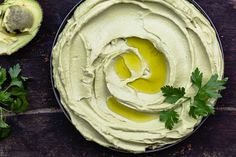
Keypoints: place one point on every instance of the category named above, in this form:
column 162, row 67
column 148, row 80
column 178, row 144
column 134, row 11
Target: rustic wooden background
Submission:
column 44, row 131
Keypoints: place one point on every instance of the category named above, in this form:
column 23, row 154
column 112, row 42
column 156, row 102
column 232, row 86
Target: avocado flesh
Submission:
column 20, row 21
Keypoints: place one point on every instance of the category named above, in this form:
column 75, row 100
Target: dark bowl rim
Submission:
column 57, row 95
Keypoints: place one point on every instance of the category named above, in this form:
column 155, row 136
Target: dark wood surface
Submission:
column 44, row 131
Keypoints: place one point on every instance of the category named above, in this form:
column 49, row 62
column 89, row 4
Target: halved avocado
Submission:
column 20, row 21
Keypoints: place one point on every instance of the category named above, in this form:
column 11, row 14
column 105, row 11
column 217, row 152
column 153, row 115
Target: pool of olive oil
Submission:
column 157, row 74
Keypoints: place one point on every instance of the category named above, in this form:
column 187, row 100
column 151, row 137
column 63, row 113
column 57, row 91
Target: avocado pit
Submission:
column 18, row 19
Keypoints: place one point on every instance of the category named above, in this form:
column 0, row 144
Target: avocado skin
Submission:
column 20, row 21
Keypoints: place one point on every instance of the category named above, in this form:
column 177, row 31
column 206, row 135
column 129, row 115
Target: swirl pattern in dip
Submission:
column 113, row 57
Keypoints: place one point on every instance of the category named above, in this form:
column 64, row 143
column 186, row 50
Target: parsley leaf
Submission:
column 16, row 91
column 170, row 117
column 3, row 76
column 5, row 97
column 212, row 87
column 172, row 94
column 197, row 78
column 14, row 71
column 5, row 129
column 200, row 108
column 24, row 78
column 16, row 80
column 13, row 98
column 20, row 104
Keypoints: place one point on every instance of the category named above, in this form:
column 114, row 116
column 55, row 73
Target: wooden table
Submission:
column 44, row 131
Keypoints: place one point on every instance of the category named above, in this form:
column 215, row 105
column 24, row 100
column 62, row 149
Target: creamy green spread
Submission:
column 113, row 57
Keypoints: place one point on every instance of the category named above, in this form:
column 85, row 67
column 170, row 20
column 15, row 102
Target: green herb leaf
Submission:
column 16, row 91
column 3, row 76
column 197, row 78
column 172, row 94
column 14, row 71
column 17, row 82
column 19, row 105
column 24, row 78
column 212, row 87
column 170, row 117
column 5, row 129
column 12, row 96
column 5, row 97
column 200, row 109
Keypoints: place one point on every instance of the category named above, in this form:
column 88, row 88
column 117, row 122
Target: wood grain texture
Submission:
column 45, row 132
column 51, row 135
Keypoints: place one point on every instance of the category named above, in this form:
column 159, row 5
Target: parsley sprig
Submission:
column 201, row 105
column 170, row 117
column 13, row 96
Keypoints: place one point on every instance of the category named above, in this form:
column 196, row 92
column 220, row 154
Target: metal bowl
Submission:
column 57, row 95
